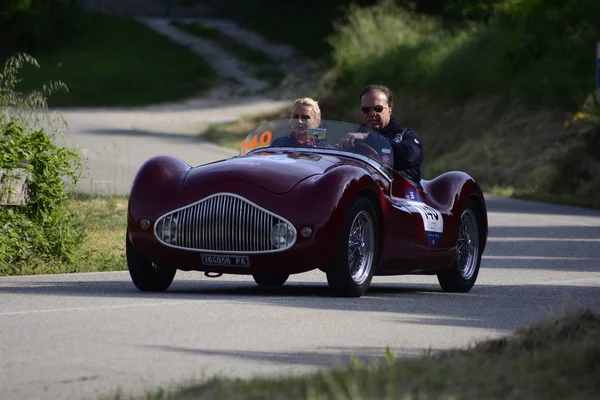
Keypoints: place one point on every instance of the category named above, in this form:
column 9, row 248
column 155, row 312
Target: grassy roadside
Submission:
column 552, row 359
column 100, row 68
column 103, row 247
column 232, row 134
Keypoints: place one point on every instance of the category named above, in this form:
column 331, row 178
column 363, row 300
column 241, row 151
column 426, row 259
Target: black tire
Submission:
column 146, row 275
column 462, row 274
column 263, row 279
column 343, row 278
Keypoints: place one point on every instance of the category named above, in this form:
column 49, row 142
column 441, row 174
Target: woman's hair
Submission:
column 307, row 101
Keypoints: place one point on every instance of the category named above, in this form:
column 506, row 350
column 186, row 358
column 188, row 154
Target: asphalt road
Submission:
column 80, row 336
column 114, row 143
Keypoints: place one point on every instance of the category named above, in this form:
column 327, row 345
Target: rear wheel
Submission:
column 351, row 271
column 270, row 280
column 461, row 276
column 146, row 275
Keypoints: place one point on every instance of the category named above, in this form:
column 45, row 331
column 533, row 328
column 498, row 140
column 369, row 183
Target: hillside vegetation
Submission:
column 503, row 90
column 506, row 98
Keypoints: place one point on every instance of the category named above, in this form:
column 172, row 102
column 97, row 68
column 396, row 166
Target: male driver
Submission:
column 376, row 111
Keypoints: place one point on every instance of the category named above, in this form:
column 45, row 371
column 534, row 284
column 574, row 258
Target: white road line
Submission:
column 94, row 308
column 591, row 281
column 539, row 258
column 534, row 239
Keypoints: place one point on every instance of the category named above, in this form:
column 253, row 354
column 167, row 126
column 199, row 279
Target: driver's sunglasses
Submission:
column 378, row 108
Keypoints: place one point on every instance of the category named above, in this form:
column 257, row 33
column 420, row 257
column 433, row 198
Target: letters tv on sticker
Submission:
column 433, row 222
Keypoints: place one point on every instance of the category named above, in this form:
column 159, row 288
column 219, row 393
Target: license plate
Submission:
column 225, row 260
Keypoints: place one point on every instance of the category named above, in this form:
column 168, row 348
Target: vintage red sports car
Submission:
column 284, row 209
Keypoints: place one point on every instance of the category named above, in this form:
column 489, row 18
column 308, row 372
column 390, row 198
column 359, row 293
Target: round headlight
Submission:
column 167, row 229
column 282, row 235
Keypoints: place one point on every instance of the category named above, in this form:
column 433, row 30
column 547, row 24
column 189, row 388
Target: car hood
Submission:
column 278, row 173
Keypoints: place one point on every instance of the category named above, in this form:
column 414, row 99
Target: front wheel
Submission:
column 461, row 276
column 146, row 275
column 270, row 280
column 350, row 273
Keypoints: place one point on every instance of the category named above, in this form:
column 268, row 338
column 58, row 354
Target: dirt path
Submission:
column 297, row 70
column 225, row 63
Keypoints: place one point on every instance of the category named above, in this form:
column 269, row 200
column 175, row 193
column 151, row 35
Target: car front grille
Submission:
column 223, row 222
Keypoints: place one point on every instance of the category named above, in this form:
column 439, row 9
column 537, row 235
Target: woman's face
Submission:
column 303, row 117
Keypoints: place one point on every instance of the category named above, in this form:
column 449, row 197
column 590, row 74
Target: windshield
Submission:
column 328, row 135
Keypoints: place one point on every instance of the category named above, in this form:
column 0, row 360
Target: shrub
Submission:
column 578, row 165
column 43, row 229
column 539, row 52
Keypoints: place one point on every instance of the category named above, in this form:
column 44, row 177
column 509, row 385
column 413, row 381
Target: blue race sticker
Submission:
column 433, row 238
column 411, row 194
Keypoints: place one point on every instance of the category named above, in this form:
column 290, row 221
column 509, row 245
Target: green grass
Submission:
column 114, row 61
column 103, row 247
column 264, row 67
column 557, row 358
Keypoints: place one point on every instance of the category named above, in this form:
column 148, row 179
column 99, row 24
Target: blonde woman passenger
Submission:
column 305, row 114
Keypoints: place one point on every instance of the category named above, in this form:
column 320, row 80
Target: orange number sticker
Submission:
column 264, row 140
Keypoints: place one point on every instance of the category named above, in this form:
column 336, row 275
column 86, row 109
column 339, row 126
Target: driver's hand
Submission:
column 347, row 142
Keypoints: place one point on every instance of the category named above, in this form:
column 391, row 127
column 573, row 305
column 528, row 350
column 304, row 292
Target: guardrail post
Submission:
column 13, row 187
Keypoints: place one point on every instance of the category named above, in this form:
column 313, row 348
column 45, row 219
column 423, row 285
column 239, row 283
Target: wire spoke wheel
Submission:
column 350, row 272
column 462, row 274
column 468, row 244
column 360, row 247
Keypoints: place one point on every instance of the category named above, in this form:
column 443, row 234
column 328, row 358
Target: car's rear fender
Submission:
column 452, row 190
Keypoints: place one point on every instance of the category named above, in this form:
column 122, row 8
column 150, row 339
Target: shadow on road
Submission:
column 329, row 357
column 503, row 307
column 191, row 138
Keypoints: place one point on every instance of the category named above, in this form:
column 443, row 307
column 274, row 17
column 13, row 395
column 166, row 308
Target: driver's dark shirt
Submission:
column 407, row 145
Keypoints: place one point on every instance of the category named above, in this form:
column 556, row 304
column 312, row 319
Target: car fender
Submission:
column 156, row 184
column 333, row 194
column 452, row 190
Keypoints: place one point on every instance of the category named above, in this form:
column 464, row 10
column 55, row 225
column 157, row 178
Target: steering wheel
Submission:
column 367, row 150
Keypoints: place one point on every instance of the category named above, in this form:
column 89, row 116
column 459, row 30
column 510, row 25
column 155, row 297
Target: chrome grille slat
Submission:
column 204, row 235
column 222, row 223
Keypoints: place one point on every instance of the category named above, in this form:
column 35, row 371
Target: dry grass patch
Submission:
column 232, row 134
